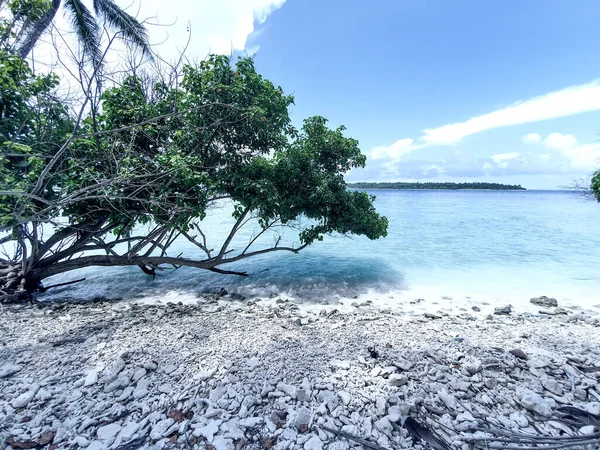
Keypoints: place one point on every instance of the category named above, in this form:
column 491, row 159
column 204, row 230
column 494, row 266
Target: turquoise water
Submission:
column 493, row 246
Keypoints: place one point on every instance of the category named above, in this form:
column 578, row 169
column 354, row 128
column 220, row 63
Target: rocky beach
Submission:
column 228, row 373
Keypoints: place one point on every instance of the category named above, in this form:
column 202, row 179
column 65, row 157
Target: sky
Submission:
column 499, row 91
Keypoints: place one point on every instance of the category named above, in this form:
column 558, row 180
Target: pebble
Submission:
column 227, row 374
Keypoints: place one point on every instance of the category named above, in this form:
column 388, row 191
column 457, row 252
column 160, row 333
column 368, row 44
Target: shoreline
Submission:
column 243, row 374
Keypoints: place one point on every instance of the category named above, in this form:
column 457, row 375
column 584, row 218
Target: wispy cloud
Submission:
column 566, row 102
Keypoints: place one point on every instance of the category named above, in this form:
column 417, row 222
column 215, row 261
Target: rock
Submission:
column 384, row 426
column 223, row 443
column 168, row 368
column 329, row 398
column 314, row 443
column 108, row 433
column 519, row 419
column 518, row 353
column 302, row 419
column 23, row 400
column 9, row 369
column 472, row 367
column 533, row 402
column 236, row 296
column 91, row 378
column 380, row 406
column 339, row 364
column 287, row 389
column 345, row 397
column 397, row 379
column 449, row 400
column 544, row 301
column 208, row 431
column 81, row 441
column 476, row 308
column 141, row 388
column 503, row 310
column 432, row 316
column 160, row 429
column 394, row 414
column 550, row 384
column 251, row 422
column 165, row 388
column 403, row 364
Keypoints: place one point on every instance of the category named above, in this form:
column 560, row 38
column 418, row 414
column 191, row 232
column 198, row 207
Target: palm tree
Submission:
column 87, row 28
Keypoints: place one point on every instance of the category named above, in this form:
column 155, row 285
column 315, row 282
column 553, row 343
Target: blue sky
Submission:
column 434, row 90
column 390, row 69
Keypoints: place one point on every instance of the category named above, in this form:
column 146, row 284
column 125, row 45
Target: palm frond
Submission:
column 86, row 28
column 133, row 31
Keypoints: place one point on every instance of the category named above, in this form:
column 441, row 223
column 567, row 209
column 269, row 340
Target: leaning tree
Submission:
column 118, row 184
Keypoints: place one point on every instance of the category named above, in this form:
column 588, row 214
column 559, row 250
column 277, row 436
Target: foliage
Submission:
column 33, row 126
column 438, row 185
column 160, row 154
column 595, row 185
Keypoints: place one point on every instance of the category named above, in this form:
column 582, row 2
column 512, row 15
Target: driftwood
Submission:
column 420, row 431
column 354, row 438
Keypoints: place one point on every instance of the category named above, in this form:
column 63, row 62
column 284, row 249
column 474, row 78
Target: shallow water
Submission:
column 469, row 246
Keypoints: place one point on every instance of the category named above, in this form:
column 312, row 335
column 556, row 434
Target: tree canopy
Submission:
column 122, row 180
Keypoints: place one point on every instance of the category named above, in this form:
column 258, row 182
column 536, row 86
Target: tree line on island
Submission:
column 437, row 186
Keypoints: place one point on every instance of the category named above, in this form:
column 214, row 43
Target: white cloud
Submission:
column 581, row 157
column 532, row 138
column 566, row 102
column 502, row 159
column 394, row 151
column 218, row 27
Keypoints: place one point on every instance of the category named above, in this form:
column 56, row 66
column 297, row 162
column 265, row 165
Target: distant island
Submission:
column 432, row 185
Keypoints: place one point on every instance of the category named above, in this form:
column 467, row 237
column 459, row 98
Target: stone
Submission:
column 91, row 378
column 251, row 422
column 314, row 443
column 23, row 400
column 397, row 379
column 476, row 308
column 384, row 426
column 519, row 419
column 160, row 429
column 533, row 402
column 287, row 389
column 81, row 441
column 141, row 388
column 518, row 353
column 472, row 367
column 9, row 369
column 339, row 364
column 380, row 406
column 165, row 388
column 503, row 310
column 345, row 397
column 209, row 430
column 223, row 443
column 108, row 433
column 302, row 419
column 447, row 399
column 544, row 301
column 168, row 368
column 394, row 414
column 550, row 384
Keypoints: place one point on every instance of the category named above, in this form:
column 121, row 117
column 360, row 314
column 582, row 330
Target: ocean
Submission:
column 450, row 248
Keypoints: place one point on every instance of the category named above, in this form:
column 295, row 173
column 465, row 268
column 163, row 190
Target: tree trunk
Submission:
column 36, row 29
